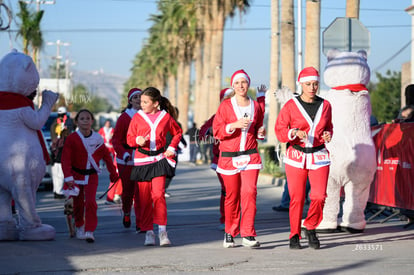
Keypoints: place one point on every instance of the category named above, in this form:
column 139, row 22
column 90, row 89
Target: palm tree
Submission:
column 30, row 30
column 221, row 10
column 287, row 40
column 313, row 34
column 273, row 108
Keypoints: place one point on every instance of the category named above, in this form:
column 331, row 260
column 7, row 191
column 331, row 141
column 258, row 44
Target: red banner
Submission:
column 393, row 184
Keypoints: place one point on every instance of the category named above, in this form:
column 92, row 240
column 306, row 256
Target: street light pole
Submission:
column 58, row 44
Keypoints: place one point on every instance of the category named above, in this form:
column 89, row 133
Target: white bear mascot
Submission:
column 22, row 149
column 352, row 149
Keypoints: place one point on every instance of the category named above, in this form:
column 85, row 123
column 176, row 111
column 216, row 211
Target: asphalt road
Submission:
column 384, row 248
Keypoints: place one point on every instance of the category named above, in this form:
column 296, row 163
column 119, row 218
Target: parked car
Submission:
column 46, row 128
column 47, row 182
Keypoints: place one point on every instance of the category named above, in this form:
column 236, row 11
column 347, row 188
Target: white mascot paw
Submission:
column 283, row 95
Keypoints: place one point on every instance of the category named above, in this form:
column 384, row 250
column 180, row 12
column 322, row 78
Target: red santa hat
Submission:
column 133, row 92
column 240, row 74
column 308, row 74
column 225, row 92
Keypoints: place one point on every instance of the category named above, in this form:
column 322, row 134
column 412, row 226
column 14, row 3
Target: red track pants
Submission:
column 297, row 178
column 84, row 205
column 222, row 198
column 241, row 192
column 130, row 192
column 152, row 203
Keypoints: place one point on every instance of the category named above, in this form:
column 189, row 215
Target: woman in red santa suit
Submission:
column 81, row 154
column 124, row 159
column 305, row 122
column 237, row 125
column 206, row 132
column 147, row 131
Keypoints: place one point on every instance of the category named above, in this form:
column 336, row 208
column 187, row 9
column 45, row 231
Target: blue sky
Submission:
column 107, row 34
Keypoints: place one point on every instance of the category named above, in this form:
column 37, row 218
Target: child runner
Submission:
column 81, row 154
column 147, row 131
column 124, row 158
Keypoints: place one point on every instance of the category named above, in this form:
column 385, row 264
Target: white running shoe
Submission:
column 80, row 233
column 149, row 238
column 250, row 242
column 228, row 241
column 164, row 241
column 89, row 237
column 117, row 199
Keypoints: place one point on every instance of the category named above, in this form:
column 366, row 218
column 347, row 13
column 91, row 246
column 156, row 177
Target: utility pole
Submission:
column 58, row 44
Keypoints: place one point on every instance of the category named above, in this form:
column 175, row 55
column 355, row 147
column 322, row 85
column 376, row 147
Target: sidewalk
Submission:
column 384, row 248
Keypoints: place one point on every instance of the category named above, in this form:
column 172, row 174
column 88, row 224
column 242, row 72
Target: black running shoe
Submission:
column 127, row 220
column 294, row 242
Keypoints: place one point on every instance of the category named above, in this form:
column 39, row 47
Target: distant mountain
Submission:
column 101, row 84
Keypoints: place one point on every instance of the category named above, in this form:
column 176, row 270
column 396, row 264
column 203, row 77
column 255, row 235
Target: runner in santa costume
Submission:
column 206, row 132
column 125, row 161
column 237, row 125
column 115, row 188
column 147, row 131
column 81, row 154
column 305, row 122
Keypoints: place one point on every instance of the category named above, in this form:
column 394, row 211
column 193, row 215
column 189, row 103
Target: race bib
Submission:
column 241, row 162
column 321, row 157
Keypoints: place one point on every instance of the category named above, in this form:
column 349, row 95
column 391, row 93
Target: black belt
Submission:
column 84, row 171
column 126, row 146
column 236, row 154
column 308, row 149
column 151, row 153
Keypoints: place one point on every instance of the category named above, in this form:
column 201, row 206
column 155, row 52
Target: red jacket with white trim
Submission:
column 75, row 155
column 156, row 132
column 237, row 140
column 119, row 140
column 293, row 116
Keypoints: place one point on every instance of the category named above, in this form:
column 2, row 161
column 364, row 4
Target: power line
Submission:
column 226, row 29
column 393, row 56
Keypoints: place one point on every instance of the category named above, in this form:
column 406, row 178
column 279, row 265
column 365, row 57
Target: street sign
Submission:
column 346, row 34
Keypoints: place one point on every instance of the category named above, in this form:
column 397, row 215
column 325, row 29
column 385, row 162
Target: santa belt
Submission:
column 239, row 153
column 308, row 149
column 151, row 153
column 84, row 171
column 126, row 146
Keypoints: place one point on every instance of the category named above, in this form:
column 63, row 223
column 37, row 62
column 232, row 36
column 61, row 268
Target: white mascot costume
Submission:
column 352, row 149
column 22, row 164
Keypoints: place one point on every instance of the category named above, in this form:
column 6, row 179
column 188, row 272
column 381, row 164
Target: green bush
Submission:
column 270, row 162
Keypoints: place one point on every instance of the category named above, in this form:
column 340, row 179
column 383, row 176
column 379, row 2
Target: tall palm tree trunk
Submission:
column 287, row 40
column 172, row 89
column 352, row 8
column 273, row 107
column 313, row 34
column 198, row 90
column 217, row 60
column 207, row 74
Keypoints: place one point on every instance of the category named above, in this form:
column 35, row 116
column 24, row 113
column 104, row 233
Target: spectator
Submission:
column 192, row 133
column 59, row 130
